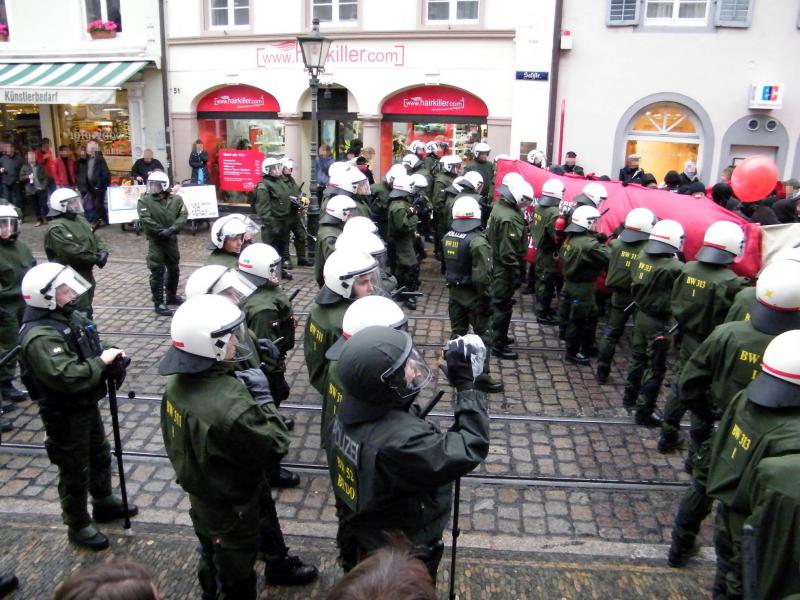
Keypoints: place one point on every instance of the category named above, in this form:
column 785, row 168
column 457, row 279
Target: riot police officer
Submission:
column 701, row 297
column 584, row 259
column 273, row 206
column 624, row 251
column 507, row 233
column 70, row 240
column 347, row 180
column 449, row 168
column 468, row 261
column 223, row 436
column 548, row 277
column 463, row 185
column 433, row 152
column 390, row 469
column 403, row 221
column 370, row 243
column 297, row 207
column 335, row 214
column 227, row 239
column 743, row 301
column 482, row 164
column 15, row 260
column 380, row 198
column 761, row 422
column 161, row 215
column 65, row 370
column 593, row 194
column 656, row 270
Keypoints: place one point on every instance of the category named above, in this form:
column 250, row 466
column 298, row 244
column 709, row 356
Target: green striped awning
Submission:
column 64, row 83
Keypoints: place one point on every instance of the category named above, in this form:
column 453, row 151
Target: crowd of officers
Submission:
column 738, row 371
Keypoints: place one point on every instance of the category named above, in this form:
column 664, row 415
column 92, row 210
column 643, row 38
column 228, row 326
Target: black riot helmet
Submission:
column 381, row 370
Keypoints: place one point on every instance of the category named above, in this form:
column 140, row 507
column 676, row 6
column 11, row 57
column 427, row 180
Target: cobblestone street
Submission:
column 574, row 501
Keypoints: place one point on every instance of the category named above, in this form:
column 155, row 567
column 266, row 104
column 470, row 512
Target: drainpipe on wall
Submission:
column 554, row 62
column 165, row 90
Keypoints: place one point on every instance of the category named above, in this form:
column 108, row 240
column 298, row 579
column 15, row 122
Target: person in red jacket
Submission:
column 64, row 168
column 44, row 157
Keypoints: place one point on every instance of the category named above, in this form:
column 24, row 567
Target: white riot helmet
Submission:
column 351, row 274
column 595, row 192
column 476, row 179
column 333, row 170
column 420, row 183
column 9, row 222
column 416, row 146
column 666, row 237
column 260, row 264
column 403, row 186
column 584, row 218
column 462, row 184
column 481, row 148
column 511, row 176
column 157, row 182
column 722, row 243
column 367, row 312
column 220, row 280
column 410, row 162
column 270, row 166
column 206, row 330
column 786, row 254
column 778, row 298
column 287, row 164
column 466, row 214
column 517, row 192
column 351, row 180
column 66, row 200
column 638, row 225
column 778, row 384
column 394, row 171
column 360, row 225
column 537, row 158
column 433, row 147
column 552, row 192
column 227, row 227
column 363, row 242
column 48, row 284
column 450, row 164
column 338, row 209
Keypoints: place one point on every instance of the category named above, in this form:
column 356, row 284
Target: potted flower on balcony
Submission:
column 100, row 30
column 3, row 32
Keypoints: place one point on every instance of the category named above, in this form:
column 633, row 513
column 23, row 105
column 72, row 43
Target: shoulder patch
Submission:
column 56, row 350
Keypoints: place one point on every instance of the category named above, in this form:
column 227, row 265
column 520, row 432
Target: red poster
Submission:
column 435, row 100
column 238, row 98
column 239, row 170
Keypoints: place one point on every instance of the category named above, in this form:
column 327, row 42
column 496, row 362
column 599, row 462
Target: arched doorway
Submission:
column 666, row 135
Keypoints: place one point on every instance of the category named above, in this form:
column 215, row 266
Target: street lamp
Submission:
column 315, row 51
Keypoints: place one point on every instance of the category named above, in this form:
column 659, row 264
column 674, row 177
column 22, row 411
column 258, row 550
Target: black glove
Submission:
column 256, row 383
column 167, row 233
column 118, row 369
column 102, row 259
column 601, row 237
column 268, row 349
column 459, row 365
column 278, row 387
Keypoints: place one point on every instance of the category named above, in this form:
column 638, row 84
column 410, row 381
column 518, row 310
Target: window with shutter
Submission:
column 623, row 12
column 734, row 13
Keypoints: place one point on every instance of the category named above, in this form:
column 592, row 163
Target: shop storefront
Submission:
column 238, row 117
column 431, row 113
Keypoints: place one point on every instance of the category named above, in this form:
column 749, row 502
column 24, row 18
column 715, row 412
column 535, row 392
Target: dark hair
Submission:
column 571, row 154
column 647, row 179
column 113, row 580
column 390, row 573
column 63, row 147
column 696, row 187
column 556, row 170
column 198, row 141
column 721, row 193
column 672, row 179
column 362, row 160
column 604, row 178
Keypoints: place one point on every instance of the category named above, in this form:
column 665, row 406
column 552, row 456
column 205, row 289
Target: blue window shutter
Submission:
column 734, row 13
column 623, row 12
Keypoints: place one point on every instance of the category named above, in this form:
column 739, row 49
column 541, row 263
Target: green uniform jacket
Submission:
column 331, row 400
column 156, row 214
column 221, row 257
column 441, row 182
column 323, row 328
column 269, row 315
column 481, row 253
column 291, row 186
column 544, row 227
column 506, row 233
column 402, row 229
column 69, row 240
column 406, row 467
column 220, row 442
column 584, row 259
column 652, row 281
column 702, row 295
column 622, row 261
column 380, row 205
column 742, row 303
column 486, row 169
column 272, row 200
column 15, row 260
column 67, row 380
column 326, row 244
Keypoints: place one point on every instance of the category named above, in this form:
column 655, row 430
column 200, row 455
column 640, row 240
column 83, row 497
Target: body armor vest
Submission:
column 457, row 257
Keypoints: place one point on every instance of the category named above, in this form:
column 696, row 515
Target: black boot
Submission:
column 8, row 583
column 88, row 537
column 283, row 479
column 11, row 393
column 646, row 419
column 576, row 358
column 486, row 384
column 175, row 299
column 162, row 309
column 411, row 303
column 6, row 425
column 171, row 285
column 602, row 373
column 669, row 442
column 158, row 299
column 288, row 421
column 289, row 570
column 110, row 509
column 504, row 352
column 545, row 318
column 680, row 551
column 304, row 262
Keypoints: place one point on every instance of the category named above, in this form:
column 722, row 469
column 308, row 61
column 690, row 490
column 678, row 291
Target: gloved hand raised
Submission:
column 601, row 237
column 101, row 259
column 256, row 383
column 458, row 357
column 268, row 349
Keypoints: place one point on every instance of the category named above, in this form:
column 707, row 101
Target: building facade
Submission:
column 396, row 71
column 674, row 80
column 60, row 81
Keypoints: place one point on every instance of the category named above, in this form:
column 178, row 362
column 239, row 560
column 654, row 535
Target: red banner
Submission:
column 694, row 214
column 435, row 100
column 239, row 170
column 238, row 98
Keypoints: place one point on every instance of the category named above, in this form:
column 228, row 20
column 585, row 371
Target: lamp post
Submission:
column 315, row 51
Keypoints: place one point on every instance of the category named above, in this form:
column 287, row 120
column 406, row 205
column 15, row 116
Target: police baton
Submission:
column 9, row 356
column 429, row 407
column 456, row 532
column 294, row 294
column 111, row 381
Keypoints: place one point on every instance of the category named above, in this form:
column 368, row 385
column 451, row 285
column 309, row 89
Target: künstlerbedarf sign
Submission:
column 533, row 75
column 64, row 95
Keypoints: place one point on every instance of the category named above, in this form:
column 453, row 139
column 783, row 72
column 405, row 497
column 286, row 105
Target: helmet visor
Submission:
column 73, row 205
column 366, row 284
column 66, row 287
column 155, row 187
column 383, row 260
column 362, row 188
column 233, row 286
column 409, row 379
column 234, row 342
column 9, row 227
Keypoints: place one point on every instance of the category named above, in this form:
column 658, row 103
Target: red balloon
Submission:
column 754, row 178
